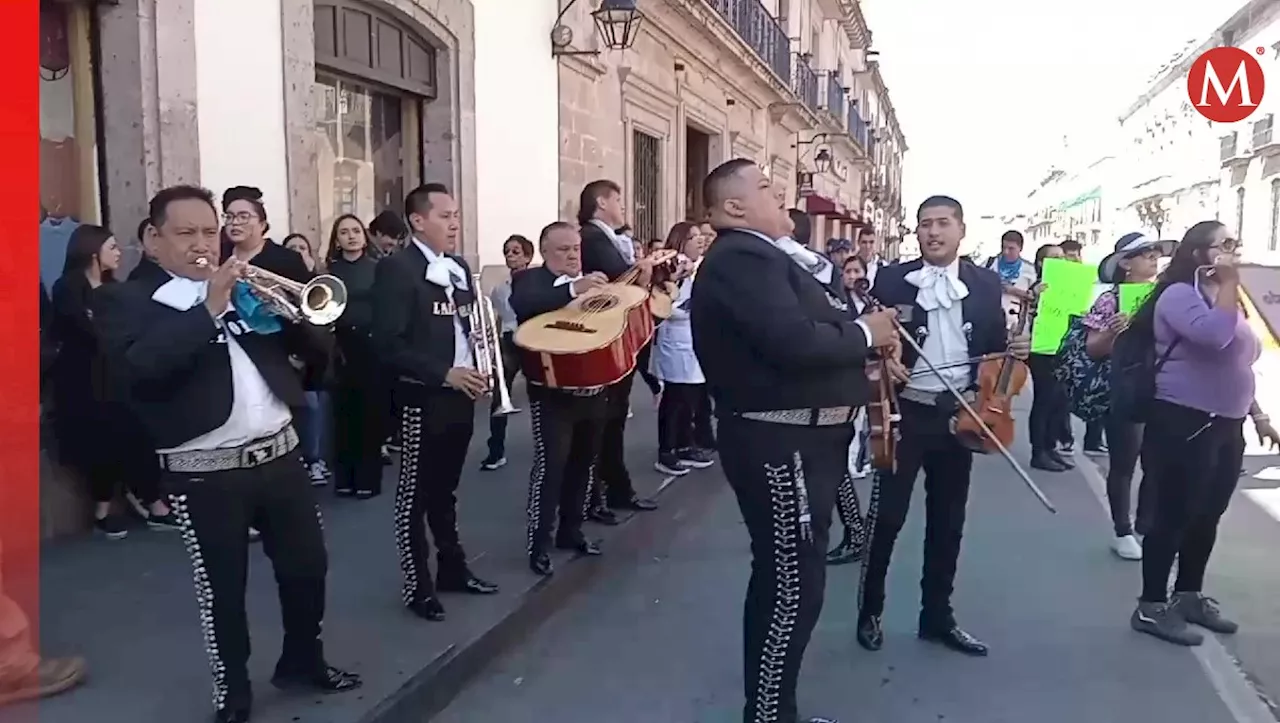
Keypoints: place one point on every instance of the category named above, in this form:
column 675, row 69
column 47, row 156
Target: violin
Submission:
column 882, row 411
column 999, row 381
column 664, row 288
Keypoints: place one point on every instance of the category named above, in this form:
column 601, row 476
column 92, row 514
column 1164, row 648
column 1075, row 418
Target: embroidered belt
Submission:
column 820, row 417
column 931, row 399
column 248, row 456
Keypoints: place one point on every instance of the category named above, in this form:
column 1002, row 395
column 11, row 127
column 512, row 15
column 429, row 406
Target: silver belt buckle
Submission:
column 260, row 453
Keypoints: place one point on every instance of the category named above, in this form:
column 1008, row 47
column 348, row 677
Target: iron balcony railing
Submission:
column 758, row 28
column 858, row 128
column 834, row 95
column 805, row 83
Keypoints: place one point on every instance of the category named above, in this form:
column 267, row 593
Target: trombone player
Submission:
column 214, row 393
column 423, row 316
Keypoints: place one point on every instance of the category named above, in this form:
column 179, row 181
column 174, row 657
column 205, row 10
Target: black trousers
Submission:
column 498, row 424
column 1124, row 449
column 642, row 366
column 785, row 479
column 360, row 428
column 610, row 481
column 684, row 418
column 435, row 429
column 849, row 509
column 1196, row 459
column 566, row 439
column 1050, row 413
column 926, row 444
column 216, row 510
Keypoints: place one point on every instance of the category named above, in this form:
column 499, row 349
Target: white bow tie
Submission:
column 566, row 279
column 446, row 273
column 937, row 287
column 818, row 266
column 181, row 293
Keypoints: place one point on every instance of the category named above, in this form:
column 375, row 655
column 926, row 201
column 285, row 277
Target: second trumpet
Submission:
column 486, row 345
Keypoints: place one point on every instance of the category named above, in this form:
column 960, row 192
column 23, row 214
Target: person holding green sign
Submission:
column 1049, row 406
column 1135, row 261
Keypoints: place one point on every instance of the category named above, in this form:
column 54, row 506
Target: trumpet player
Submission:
column 214, row 393
column 423, row 304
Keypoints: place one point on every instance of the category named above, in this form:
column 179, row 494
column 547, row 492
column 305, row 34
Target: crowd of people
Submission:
column 188, row 392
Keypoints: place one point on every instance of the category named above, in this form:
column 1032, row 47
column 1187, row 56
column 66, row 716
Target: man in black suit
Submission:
column 214, row 396
column 952, row 309
column 784, row 361
column 605, row 251
column 422, row 305
column 567, row 425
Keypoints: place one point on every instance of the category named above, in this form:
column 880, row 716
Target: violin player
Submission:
column 785, row 370
column 953, row 310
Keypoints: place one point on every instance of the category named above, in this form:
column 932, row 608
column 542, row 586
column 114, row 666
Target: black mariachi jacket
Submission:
column 413, row 332
column 174, row 365
column 984, row 317
column 599, row 254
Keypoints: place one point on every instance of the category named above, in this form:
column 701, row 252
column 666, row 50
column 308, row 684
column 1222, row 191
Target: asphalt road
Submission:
column 660, row 642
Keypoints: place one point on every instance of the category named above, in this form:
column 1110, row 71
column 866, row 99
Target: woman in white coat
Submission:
column 685, row 437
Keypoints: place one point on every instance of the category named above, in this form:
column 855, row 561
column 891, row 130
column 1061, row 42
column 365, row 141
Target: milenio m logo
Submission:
column 1225, row 85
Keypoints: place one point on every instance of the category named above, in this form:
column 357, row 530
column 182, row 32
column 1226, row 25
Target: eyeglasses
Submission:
column 238, row 218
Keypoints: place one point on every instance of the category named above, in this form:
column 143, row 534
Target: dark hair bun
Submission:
column 241, row 193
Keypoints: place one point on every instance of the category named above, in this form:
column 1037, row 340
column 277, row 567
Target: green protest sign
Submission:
column 1068, row 292
column 1132, row 296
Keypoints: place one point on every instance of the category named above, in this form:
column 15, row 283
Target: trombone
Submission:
column 319, row 301
column 486, row 345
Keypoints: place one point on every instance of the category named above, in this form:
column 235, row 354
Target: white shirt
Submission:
column 944, row 344
column 500, row 297
column 1026, row 279
column 256, row 412
column 462, row 353
column 873, row 268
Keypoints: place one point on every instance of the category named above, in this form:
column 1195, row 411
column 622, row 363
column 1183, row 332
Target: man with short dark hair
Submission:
column 783, row 359
column 422, row 306
column 214, row 394
column 606, row 251
column 1071, row 250
column 865, row 246
column 567, row 425
column 1017, row 275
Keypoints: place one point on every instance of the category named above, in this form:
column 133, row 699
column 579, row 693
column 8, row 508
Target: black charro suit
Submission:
column 416, row 342
column 611, row 483
column 784, row 362
column 567, row 431
column 926, row 442
column 176, row 369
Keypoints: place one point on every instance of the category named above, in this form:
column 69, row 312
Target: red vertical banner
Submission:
column 20, row 310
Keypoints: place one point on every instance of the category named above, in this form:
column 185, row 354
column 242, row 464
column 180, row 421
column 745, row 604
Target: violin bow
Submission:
column 964, row 403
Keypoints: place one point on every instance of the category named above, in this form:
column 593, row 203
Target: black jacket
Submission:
column 769, row 336
column 175, row 365
column 148, row 269
column 599, row 254
column 357, row 361
column 533, row 292
column 984, row 316
column 413, row 330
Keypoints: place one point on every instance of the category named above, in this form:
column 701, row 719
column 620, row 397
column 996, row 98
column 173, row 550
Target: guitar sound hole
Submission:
column 597, row 304
column 571, row 326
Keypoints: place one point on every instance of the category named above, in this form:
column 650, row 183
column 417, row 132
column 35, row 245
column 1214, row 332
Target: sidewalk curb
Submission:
column 430, row 691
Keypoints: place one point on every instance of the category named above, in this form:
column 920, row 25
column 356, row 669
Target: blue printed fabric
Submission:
column 257, row 314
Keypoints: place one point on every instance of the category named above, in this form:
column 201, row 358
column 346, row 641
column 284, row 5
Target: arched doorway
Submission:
column 374, row 75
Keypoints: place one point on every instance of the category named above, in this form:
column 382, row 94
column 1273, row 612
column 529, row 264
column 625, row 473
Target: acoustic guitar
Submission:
column 594, row 340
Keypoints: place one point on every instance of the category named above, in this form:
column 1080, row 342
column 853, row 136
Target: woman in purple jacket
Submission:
column 1194, row 432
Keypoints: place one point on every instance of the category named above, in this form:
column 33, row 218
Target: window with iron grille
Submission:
column 646, row 172
column 1275, row 215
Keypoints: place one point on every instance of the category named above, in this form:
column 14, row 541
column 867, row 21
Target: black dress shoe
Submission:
column 604, row 516
column 870, row 635
column 1056, row 456
column 467, row 583
column 1042, row 460
column 583, row 547
column 428, row 608
column 325, row 678
column 844, row 553
column 639, row 504
column 957, row 640
column 232, row 714
column 540, row 563
column 821, row 719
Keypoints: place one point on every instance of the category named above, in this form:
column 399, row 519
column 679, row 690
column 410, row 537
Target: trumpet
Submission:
column 319, row 301
column 486, row 345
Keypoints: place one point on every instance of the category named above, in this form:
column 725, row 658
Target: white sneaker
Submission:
column 1127, row 548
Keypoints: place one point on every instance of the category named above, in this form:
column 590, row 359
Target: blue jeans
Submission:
column 314, row 424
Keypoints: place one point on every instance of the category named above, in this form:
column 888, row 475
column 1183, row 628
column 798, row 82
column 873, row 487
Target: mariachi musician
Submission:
column 605, row 251
column 422, row 300
column 567, row 424
column 952, row 310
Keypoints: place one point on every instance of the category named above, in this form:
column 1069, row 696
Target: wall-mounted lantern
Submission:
column 616, row 21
